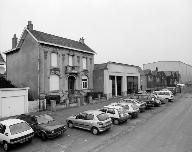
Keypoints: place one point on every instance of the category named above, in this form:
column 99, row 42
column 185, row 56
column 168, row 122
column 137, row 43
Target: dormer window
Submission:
column 54, row 60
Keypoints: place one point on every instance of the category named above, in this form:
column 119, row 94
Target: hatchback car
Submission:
column 166, row 95
column 140, row 104
column 44, row 125
column 145, row 98
column 131, row 108
column 13, row 131
column 93, row 120
column 116, row 113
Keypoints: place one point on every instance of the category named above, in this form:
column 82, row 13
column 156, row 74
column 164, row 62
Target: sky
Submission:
column 126, row 31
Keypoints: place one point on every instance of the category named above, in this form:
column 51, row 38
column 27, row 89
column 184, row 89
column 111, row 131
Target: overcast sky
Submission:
column 127, row 31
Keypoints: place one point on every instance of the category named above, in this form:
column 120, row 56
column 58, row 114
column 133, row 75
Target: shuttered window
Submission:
column 53, row 59
column 54, row 82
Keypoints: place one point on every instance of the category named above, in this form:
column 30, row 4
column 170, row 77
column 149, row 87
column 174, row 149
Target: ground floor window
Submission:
column 84, row 82
column 54, row 83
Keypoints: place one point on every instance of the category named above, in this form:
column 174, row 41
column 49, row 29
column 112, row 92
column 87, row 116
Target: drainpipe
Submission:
column 38, row 68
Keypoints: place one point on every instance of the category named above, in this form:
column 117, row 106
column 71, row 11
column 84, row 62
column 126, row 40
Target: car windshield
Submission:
column 19, row 127
column 44, row 119
column 102, row 117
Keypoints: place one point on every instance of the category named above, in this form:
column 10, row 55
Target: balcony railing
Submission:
column 71, row 69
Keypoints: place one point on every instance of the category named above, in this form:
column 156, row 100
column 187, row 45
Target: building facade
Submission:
column 49, row 64
column 185, row 70
column 116, row 79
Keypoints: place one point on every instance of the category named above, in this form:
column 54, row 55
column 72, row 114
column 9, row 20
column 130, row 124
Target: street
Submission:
column 166, row 128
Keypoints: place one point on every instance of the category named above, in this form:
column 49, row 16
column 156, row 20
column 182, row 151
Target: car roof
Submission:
column 93, row 112
column 115, row 107
column 10, row 122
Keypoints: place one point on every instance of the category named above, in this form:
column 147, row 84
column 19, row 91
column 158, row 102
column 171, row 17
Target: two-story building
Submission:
column 49, row 64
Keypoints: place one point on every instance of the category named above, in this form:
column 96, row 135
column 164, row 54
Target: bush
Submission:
column 52, row 97
column 94, row 94
column 4, row 83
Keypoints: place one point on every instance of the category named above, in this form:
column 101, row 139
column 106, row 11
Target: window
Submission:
column 111, row 111
column 91, row 61
column 54, row 82
column 89, row 117
column 70, row 60
column 84, row 63
column 54, row 59
column 78, row 60
column 19, row 127
column 84, row 82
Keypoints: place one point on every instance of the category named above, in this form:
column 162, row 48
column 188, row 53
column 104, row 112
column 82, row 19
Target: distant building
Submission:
column 160, row 79
column 116, row 79
column 2, row 64
column 50, row 64
column 183, row 69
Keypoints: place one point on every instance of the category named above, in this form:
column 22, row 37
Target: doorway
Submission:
column 71, row 84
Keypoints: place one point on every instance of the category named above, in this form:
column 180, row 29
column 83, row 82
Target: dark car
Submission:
column 145, row 98
column 44, row 125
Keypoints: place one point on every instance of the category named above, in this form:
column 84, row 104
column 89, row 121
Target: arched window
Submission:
column 84, row 82
column 54, row 82
column 54, row 59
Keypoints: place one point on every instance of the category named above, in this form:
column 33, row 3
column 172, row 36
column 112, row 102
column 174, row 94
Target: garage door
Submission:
column 12, row 106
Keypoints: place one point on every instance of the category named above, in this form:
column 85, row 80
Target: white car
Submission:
column 131, row 108
column 140, row 104
column 116, row 113
column 13, row 131
column 166, row 95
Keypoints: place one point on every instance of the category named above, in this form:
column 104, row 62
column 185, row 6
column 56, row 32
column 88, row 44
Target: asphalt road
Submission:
column 167, row 128
column 169, row 131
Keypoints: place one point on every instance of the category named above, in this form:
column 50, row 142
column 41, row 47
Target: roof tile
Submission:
column 41, row 36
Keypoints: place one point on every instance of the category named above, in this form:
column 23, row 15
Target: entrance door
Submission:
column 71, row 84
column 119, row 85
column 132, row 84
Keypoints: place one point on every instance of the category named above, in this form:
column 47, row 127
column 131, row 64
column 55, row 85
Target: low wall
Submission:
column 33, row 106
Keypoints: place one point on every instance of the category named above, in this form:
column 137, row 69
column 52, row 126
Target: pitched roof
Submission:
column 1, row 59
column 52, row 39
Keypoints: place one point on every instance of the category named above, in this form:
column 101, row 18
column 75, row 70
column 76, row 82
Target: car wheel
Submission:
column 70, row 124
column 43, row 136
column 166, row 100
column 94, row 130
column 5, row 146
column 116, row 121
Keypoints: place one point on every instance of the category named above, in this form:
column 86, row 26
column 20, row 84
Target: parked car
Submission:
column 93, row 120
column 166, row 95
column 140, row 104
column 116, row 113
column 172, row 89
column 145, row 98
column 13, row 131
column 131, row 108
column 157, row 101
column 44, row 125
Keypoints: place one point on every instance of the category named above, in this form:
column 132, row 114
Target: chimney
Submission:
column 30, row 26
column 14, row 41
column 82, row 40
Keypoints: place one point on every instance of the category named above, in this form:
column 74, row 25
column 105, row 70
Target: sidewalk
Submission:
column 62, row 114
